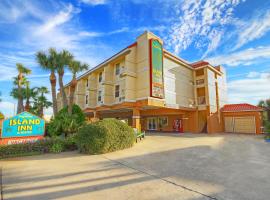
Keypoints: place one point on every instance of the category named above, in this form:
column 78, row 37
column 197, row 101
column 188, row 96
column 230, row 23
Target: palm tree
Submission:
column 28, row 94
column 75, row 67
column 40, row 101
column 22, row 71
column 63, row 59
column 48, row 62
column 266, row 105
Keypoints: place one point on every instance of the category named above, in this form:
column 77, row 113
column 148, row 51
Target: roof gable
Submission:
column 240, row 108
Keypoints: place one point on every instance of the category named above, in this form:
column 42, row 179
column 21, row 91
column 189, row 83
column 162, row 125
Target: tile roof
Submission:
column 240, row 107
column 199, row 63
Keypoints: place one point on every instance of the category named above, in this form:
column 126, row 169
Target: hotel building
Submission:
column 154, row 90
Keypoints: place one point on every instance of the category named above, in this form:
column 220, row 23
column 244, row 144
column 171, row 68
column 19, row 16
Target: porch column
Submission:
column 136, row 122
column 96, row 116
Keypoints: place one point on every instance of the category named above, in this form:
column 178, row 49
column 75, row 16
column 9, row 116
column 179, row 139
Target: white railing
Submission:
column 200, row 82
column 201, row 100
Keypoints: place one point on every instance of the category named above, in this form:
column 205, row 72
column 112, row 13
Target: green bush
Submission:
column 57, row 146
column 70, row 143
column 41, row 146
column 47, row 145
column 67, row 124
column 104, row 136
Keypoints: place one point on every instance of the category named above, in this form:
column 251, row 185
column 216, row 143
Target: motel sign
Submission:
column 23, row 127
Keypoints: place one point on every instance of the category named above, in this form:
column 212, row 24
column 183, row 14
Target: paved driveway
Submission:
column 191, row 167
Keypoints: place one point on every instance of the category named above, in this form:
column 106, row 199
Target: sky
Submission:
column 231, row 33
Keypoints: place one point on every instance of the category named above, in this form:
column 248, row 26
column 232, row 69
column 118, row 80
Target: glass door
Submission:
column 152, row 123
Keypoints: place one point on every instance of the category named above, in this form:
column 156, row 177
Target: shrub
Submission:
column 57, row 146
column 70, row 143
column 104, row 136
column 41, row 146
column 66, row 123
column 48, row 145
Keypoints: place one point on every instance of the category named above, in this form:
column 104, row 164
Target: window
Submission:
column 86, row 99
column 117, row 69
column 99, row 95
column 100, row 77
column 163, row 121
column 87, row 83
column 116, row 91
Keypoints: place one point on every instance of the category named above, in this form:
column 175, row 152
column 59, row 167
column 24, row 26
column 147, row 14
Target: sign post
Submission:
column 24, row 127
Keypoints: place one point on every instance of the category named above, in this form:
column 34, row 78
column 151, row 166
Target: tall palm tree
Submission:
column 22, row 71
column 63, row 59
column 75, row 67
column 48, row 62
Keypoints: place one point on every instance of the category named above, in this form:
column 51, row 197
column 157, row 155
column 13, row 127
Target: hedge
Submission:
column 47, row 145
column 104, row 136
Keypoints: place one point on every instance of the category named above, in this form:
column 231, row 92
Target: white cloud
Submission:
column 7, row 108
column 252, row 29
column 253, row 74
column 121, row 30
column 199, row 22
column 249, row 89
column 60, row 18
column 12, row 11
column 7, row 73
column 247, row 56
column 95, row 2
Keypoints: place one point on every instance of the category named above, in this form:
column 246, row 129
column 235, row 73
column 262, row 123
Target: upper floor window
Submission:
column 117, row 91
column 86, row 99
column 87, row 83
column 100, row 77
column 117, row 69
column 99, row 95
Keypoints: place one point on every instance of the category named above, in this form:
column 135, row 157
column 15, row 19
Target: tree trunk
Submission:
column 62, row 91
column 53, row 88
column 71, row 96
column 27, row 105
column 20, row 96
column 40, row 112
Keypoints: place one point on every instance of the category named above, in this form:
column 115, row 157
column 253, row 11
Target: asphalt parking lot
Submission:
column 164, row 166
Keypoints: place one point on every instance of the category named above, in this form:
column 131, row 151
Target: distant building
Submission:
column 154, row 90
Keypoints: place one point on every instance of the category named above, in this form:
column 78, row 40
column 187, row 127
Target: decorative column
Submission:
column 136, row 122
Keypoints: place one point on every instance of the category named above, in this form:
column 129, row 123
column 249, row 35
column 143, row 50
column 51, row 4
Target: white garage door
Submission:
column 240, row 124
column 229, row 124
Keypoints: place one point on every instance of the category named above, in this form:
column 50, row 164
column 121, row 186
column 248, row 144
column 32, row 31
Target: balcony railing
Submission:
column 200, row 82
column 201, row 100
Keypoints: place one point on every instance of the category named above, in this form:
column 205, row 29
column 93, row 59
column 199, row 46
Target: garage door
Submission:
column 240, row 124
column 229, row 124
column 244, row 125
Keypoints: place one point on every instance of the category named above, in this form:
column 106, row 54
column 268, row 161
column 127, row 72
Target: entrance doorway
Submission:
column 152, row 123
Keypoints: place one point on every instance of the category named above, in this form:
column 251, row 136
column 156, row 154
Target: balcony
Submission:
column 200, row 82
column 201, row 100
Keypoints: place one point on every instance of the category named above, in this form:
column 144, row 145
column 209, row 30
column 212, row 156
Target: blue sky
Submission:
column 235, row 34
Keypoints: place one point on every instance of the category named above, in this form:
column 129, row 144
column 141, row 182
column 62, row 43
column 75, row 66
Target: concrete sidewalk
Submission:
column 193, row 167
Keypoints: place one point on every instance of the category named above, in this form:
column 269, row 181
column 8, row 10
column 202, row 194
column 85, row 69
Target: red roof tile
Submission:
column 240, row 107
column 199, row 64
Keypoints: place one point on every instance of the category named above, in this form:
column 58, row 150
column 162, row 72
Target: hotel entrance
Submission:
column 156, row 123
column 152, row 123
